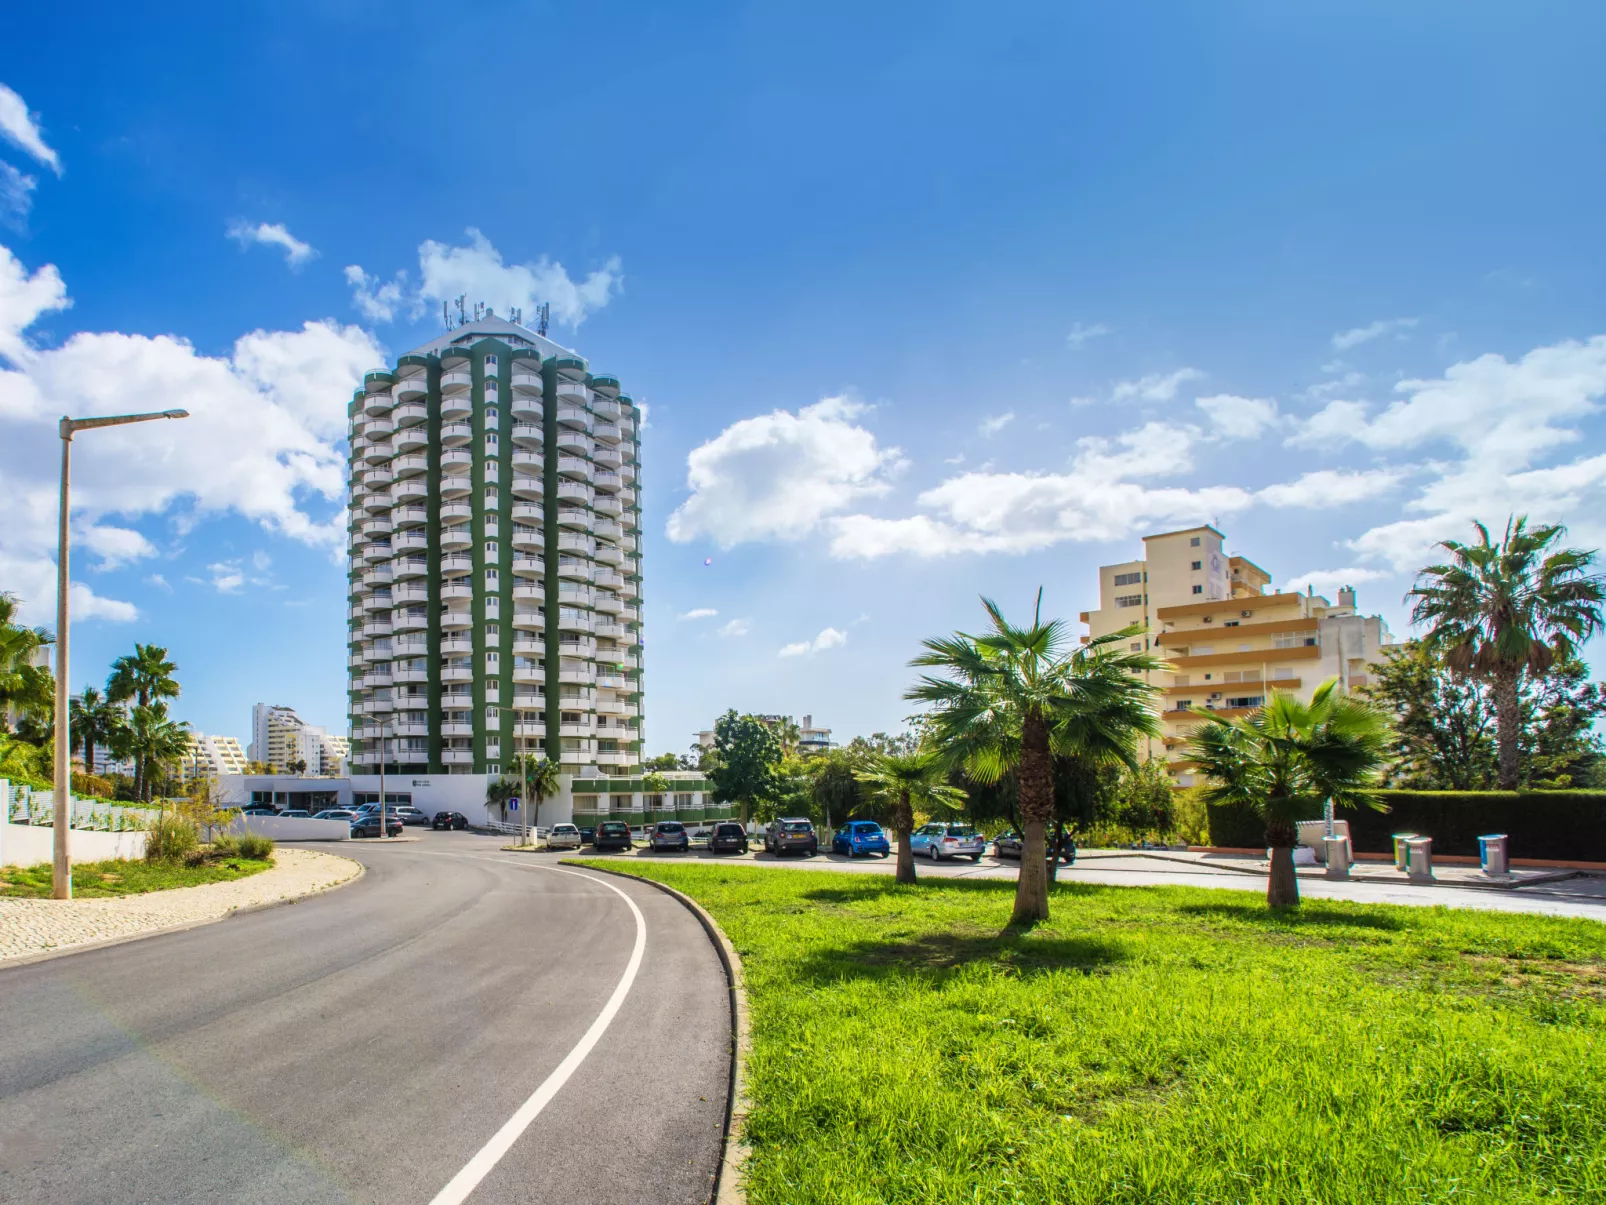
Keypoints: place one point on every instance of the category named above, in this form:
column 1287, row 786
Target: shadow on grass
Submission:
column 940, row 954
column 1323, row 915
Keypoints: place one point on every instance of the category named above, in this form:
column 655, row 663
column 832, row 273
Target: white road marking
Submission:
column 487, row 1157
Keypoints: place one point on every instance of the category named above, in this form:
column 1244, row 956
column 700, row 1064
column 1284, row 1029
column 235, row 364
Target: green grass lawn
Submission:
column 1158, row 1045
column 94, row 880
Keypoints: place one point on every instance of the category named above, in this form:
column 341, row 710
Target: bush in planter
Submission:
column 169, row 839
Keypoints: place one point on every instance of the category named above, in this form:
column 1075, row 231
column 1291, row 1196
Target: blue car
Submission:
column 861, row 837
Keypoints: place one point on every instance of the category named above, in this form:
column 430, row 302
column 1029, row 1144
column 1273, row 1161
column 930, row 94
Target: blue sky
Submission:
column 938, row 300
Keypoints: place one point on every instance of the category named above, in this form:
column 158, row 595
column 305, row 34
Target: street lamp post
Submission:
column 61, row 875
column 381, row 780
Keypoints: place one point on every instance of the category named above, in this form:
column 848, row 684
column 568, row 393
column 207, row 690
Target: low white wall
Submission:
column 291, row 828
column 31, row 844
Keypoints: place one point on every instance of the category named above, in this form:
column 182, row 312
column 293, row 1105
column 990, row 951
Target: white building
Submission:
column 212, row 757
column 280, row 737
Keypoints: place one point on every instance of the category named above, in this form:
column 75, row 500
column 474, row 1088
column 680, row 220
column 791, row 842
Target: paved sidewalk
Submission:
column 31, row 927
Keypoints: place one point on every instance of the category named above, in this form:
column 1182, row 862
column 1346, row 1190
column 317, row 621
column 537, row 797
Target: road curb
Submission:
column 728, row 1188
column 84, row 947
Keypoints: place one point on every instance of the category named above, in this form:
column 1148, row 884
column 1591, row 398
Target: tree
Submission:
column 834, row 783
column 907, row 781
column 1014, row 697
column 664, row 761
column 1283, row 760
column 95, row 722
column 1502, row 611
column 25, row 688
column 156, row 742
column 746, row 754
column 1442, row 736
column 498, row 792
column 1560, row 748
column 144, row 677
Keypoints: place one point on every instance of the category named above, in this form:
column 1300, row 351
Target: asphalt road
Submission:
column 365, row 1045
column 1584, row 896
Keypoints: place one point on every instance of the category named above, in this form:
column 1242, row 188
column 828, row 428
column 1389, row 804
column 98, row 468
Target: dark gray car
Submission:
column 792, row 834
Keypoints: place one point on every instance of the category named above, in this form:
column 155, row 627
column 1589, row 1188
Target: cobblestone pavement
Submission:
column 37, row 926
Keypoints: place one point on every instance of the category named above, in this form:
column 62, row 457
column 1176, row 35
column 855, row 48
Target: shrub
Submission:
column 254, row 846
column 197, row 856
column 169, row 839
column 225, row 846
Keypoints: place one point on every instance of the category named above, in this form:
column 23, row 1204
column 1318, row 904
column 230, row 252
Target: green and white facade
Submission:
column 495, row 564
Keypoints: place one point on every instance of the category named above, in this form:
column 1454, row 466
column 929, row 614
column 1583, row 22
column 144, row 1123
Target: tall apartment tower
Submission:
column 495, row 560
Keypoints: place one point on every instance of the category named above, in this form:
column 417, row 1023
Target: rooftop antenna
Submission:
column 518, row 316
column 461, row 298
column 446, row 316
column 546, row 316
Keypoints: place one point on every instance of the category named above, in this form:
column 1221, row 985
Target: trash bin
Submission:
column 1337, row 854
column 1419, row 858
column 1492, row 853
column 1399, row 850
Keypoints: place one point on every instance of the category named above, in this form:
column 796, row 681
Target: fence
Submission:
column 23, row 805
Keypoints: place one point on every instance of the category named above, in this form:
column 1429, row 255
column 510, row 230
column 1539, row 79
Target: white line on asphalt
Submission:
column 487, row 1157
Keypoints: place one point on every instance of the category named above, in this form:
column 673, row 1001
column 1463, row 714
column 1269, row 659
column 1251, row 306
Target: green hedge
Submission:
column 1559, row 825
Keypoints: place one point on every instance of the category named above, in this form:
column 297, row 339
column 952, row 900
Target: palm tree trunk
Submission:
column 1036, row 787
column 1508, row 724
column 1282, row 887
column 903, row 821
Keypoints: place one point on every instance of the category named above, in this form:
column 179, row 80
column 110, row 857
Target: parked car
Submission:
column 296, row 814
column 669, row 834
column 792, row 833
column 613, row 834
column 727, row 836
column 335, row 814
column 941, row 840
column 260, row 809
column 861, row 837
column 1009, row 844
column 449, row 821
column 563, row 836
column 588, row 834
column 408, row 813
column 368, row 826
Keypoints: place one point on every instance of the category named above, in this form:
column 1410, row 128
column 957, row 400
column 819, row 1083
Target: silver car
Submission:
column 938, row 841
column 563, row 836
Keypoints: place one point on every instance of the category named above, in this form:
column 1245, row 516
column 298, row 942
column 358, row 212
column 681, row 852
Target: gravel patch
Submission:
column 33, row 927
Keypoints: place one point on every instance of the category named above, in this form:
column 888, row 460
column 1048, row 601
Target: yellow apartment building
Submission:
column 1227, row 633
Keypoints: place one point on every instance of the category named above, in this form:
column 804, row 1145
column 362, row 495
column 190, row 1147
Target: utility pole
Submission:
column 61, row 797
column 381, row 780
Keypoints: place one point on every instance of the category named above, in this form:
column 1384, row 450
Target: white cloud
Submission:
column 296, row 252
column 16, row 194
column 375, row 300
column 1328, row 581
column 160, row 582
column 829, row 638
column 263, row 439
column 1156, row 387
column 1344, row 340
column 115, row 546
column 260, row 561
column 1233, row 417
column 227, row 577
column 994, row 423
column 21, row 128
column 1081, row 334
column 777, row 476
column 478, row 270
column 1331, row 487
column 698, row 613
column 735, row 627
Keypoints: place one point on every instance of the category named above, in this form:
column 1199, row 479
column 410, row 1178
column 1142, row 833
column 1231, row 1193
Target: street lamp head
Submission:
column 175, row 413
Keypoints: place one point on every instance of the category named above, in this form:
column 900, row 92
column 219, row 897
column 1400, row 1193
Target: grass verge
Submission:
column 1158, row 1045
column 97, row 880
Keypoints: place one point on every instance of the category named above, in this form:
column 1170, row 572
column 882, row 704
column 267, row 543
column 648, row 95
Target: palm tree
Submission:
column 145, row 677
column 905, row 781
column 1499, row 610
column 155, row 741
column 1014, row 697
column 25, row 688
column 94, row 721
column 537, row 778
column 1284, row 759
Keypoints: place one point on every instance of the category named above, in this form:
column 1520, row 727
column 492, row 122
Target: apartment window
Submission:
column 490, row 577
column 1246, row 700
column 1231, row 623
column 1180, row 680
column 493, row 686
column 1136, row 646
column 490, row 443
column 490, row 361
column 1128, row 579
column 1129, row 600
column 1282, row 672
column 492, row 631
column 493, row 417
column 491, row 716
column 1196, row 565
column 492, row 552
column 1193, row 543
column 490, row 497
column 1291, row 640
column 1184, row 704
column 492, row 768
column 1198, row 589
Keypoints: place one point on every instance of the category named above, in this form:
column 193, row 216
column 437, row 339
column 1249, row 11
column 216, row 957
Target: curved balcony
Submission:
column 606, row 409
column 373, row 654
column 527, row 382
column 627, row 473
column 527, row 541
column 582, row 647
column 410, row 516
column 454, row 729
column 409, row 567
column 610, row 706
column 410, row 415
column 531, row 462
column 574, row 569
column 526, row 409
column 607, row 433
column 406, row 466
column 531, row 620
column 571, row 542
column 457, row 538
column 379, row 427
column 456, row 461
column 607, row 504
column 529, row 648
column 408, row 388
column 574, row 416
column 458, row 406
column 455, row 511
column 378, row 403
column 409, row 541
column 460, row 617
column 528, row 675
column 455, row 435
column 455, row 589
column 376, row 479
column 377, row 550
column 574, row 491
column 577, row 677
column 526, row 593
column 608, row 603
column 376, row 454
column 576, row 596
column 576, row 443
column 376, row 576
column 410, row 675
column 607, row 458
column 456, row 564
column 376, row 628
column 410, row 490
column 458, row 757
column 377, row 526
column 410, row 439
column 457, row 673
column 528, row 512
column 527, row 435
column 606, row 529
column 401, row 621
column 458, row 380
column 378, row 500
column 401, row 596
column 525, row 486
column 577, row 729
column 457, row 645
column 573, row 518
column 607, row 579
column 375, row 602
column 608, row 481
column 573, row 392
column 456, row 487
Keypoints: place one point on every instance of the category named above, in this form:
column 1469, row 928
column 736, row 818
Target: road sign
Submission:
column 512, row 805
